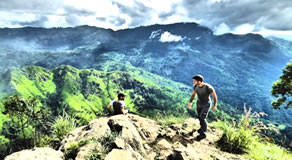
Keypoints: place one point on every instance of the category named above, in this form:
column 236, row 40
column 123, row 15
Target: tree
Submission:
column 282, row 89
column 25, row 113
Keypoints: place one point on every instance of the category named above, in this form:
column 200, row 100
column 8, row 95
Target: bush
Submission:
column 235, row 140
column 108, row 141
column 102, row 146
column 238, row 137
column 97, row 153
column 62, row 126
column 244, row 137
column 73, row 148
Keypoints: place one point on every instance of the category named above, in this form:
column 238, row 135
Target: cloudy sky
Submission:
column 267, row 17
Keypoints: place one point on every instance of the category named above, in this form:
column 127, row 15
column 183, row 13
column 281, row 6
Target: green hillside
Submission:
column 85, row 93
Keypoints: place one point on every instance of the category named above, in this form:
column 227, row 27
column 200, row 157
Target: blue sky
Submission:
column 266, row 17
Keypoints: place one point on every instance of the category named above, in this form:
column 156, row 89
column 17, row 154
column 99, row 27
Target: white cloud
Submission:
column 161, row 5
column 222, row 16
column 247, row 28
column 281, row 34
column 101, row 8
column 56, row 21
column 215, row 1
column 168, row 37
column 5, row 19
column 221, row 29
column 244, row 29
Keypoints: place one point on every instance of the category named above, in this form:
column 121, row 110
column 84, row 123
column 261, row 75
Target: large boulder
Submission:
column 36, row 154
column 125, row 133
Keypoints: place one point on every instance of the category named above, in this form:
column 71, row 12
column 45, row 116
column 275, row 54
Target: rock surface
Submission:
column 133, row 137
column 36, row 154
column 118, row 154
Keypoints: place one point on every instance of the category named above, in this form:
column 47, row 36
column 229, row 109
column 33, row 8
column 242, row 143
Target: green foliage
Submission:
column 57, row 130
column 108, row 141
column 224, row 112
column 281, row 127
column 27, row 120
column 25, row 112
column 3, row 117
column 282, row 89
column 73, row 148
column 4, row 143
column 102, row 146
column 268, row 151
column 150, row 90
column 80, row 107
column 3, row 140
column 62, row 125
column 165, row 118
column 48, row 141
column 85, row 93
column 235, row 140
column 33, row 81
column 4, row 146
column 244, row 137
column 169, row 120
column 238, row 137
column 97, row 153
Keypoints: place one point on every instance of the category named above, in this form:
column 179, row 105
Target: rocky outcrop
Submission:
column 36, row 154
column 139, row 138
column 133, row 137
column 125, row 133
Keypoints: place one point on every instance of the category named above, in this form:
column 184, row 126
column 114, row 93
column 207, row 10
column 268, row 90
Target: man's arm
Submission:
column 214, row 95
column 191, row 100
column 108, row 107
column 123, row 110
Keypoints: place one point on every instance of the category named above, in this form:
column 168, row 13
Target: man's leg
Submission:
column 202, row 117
column 199, row 111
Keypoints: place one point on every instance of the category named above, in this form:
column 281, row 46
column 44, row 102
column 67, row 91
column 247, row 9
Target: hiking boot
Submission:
column 199, row 131
column 200, row 137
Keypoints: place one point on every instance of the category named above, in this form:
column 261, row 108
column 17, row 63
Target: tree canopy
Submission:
column 282, row 89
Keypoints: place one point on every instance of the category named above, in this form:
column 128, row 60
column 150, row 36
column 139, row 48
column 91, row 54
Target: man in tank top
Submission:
column 118, row 105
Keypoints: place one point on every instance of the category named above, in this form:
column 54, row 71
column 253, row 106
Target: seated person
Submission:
column 118, row 105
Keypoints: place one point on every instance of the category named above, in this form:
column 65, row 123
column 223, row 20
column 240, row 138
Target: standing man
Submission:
column 203, row 90
column 118, row 105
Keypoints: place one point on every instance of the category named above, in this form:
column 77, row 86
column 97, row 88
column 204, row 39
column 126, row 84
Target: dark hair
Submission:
column 120, row 95
column 198, row 77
